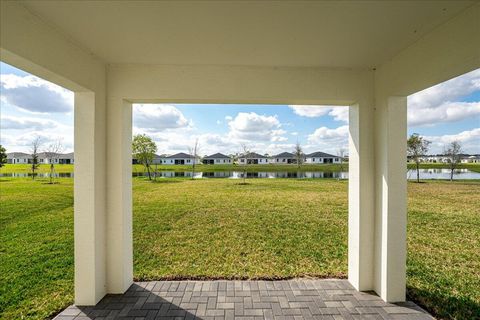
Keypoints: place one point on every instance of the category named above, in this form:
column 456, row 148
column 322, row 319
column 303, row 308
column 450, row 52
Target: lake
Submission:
column 425, row 174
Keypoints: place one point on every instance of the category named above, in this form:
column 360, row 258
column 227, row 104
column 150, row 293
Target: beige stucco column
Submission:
column 391, row 198
column 377, row 198
column 119, row 196
column 361, row 195
column 89, row 198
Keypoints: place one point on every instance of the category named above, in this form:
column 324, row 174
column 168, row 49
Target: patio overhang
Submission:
column 368, row 55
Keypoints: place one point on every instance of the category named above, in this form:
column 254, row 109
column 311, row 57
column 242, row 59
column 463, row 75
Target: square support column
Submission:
column 119, row 196
column 361, row 197
column 378, row 198
column 391, row 198
column 89, row 198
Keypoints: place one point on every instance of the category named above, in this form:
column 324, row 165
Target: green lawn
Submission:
column 217, row 228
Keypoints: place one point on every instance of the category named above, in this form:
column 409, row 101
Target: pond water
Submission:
column 425, row 174
column 459, row 174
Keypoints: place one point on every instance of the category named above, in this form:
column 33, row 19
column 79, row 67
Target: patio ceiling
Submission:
column 353, row 34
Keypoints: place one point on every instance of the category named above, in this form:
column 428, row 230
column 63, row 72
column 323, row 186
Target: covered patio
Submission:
column 367, row 55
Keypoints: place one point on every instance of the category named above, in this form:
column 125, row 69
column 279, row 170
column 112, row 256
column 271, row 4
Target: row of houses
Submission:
column 43, row 158
column 219, row 158
column 440, row 158
column 250, row 158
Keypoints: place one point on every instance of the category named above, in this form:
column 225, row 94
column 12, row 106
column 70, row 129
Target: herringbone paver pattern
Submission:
column 248, row 300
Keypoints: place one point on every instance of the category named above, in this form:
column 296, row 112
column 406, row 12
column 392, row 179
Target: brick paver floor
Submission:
column 288, row 299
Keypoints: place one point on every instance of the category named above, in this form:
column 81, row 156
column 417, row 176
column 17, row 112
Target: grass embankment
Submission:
column 66, row 168
column 217, row 228
column 43, row 168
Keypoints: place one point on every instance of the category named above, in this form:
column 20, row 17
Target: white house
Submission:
column 43, row 158
column 283, row 158
column 321, row 157
column 471, row 159
column 438, row 158
column 18, row 157
column 66, row 158
column 252, row 158
column 159, row 159
column 180, row 158
column 217, row 158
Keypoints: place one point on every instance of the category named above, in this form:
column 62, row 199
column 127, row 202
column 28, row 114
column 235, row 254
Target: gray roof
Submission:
column 284, row 155
column 253, row 155
column 41, row 155
column 217, row 156
column 320, row 154
column 180, row 155
column 12, row 155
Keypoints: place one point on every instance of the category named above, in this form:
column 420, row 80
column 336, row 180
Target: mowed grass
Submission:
column 36, row 248
column 443, row 271
column 270, row 228
column 222, row 229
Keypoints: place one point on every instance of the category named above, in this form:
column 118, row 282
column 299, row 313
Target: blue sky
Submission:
column 33, row 107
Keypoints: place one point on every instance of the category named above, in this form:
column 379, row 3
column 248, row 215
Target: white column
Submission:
column 89, row 198
column 119, row 196
column 391, row 198
column 361, row 197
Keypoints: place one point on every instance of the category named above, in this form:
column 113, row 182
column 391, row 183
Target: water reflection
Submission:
column 249, row 175
column 440, row 174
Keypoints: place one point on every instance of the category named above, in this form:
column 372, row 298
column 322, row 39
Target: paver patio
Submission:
column 287, row 299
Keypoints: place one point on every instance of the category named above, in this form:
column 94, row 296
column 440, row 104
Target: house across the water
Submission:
column 283, row 158
column 252, row 158
column 180, row 158
column 43, row 158
column 321, row 157
column 217, row 158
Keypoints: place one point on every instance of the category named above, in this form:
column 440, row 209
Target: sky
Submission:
column 32, row 107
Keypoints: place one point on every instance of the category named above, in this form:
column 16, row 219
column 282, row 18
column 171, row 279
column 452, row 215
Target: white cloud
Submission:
column 338, row 113
column 469, row 139
column 255, row 127
column 327, row 139
column 22, row 141
column 438, row 104
column 154, row 117
column 310, row 111
column 33, row 94
column 228, row 118
column 445, row 112
column 16, row 123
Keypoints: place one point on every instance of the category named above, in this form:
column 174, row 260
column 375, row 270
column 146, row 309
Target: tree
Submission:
column 144, row 149
column 246, row 154
column 194, row 151
column 36, row 143
column 341, row 154
column 453, row 153
column 3, row 156
column 298, row 153
column 417, row 147
column 52, row 155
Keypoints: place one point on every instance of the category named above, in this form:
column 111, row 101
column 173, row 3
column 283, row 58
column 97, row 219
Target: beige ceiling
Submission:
column 262, row 33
